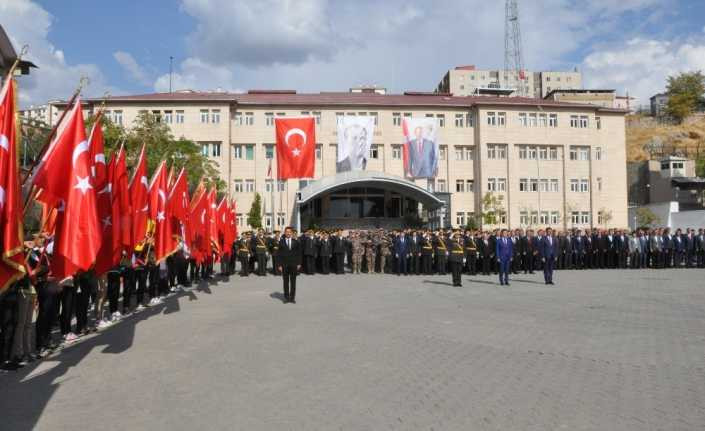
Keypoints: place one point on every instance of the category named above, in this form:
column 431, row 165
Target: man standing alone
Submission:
column 548, row 255
column 504, row 252
column 289, row 263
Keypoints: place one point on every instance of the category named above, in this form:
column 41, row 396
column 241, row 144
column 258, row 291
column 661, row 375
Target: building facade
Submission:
column 468, row 81
column 553, row 164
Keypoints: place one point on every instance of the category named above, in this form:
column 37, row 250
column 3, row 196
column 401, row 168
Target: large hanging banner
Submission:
column 354, row 142
column 420, row 147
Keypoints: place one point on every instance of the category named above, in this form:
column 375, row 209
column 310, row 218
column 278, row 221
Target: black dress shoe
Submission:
column 507, row 284
column 293, row 301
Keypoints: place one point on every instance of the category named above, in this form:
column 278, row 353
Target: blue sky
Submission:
column 314, row 45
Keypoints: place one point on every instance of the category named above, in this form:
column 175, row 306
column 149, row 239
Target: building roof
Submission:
column 290, row 98
column 688, row 182
column 8, row 55
column 580, row 91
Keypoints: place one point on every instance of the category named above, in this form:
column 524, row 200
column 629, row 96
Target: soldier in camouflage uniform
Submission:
column 357, row 251
column 371, row 251
column 385, row 252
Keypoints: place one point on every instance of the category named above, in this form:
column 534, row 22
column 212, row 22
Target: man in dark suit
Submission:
column 289, row 263
column 700, row 247
column 548, row 249
column 401, row 252
column 456, row 258
column 309, row 245
column 415, row 251
column 339, row 252
column 325, row 251
column 422, row 156
column 505, row 253
column 486, row 254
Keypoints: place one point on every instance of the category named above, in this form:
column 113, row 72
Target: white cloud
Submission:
column 641, row 66
column 28, row 23
column 128, row 62
column 195, row 74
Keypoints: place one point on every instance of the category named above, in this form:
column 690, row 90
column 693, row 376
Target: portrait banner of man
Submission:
column 354, row 142
column 420, row 147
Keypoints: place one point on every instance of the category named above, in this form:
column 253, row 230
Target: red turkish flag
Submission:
column 233, row 220
column 104, row 260
column 296, row 147
column 96, row 140
column 178, row 197
column 64, row 174
column 164, row 243
column 12, row 264
column 212, row 221
column 197, row 223
column 139, row 189
column 222, row 216
column 122, row 212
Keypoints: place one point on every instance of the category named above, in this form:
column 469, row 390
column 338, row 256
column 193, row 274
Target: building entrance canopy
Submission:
column 369, row 179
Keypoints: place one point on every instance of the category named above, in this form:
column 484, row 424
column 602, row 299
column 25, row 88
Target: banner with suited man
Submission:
column 420, row 147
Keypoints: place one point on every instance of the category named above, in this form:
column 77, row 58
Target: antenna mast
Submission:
column 514, row 73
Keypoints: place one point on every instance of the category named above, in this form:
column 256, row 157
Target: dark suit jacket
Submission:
column 402, row 248
column 504, row 249
column 289, row 256
column 548, row 249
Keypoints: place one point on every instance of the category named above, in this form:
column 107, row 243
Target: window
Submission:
column 442, row 186
column 204, row 116
column 496, row 151
column 574, row 185
column 522, row 152
column 281, row 185
column 281, row 220
column 431, row 185
column 598, row 153
column 460, row 219
column 319, row 151
column 469, row 186
column 269, row 152
column 544, row 218
column 157, row 116
column 524, row 218
column 534, row 185
column 237, row 151
column 375, row 117
column 501, row 184
column 305, row 113
column 249, row 118
column 523, row 121
column 543, row 185
column 584, row 186
column 317, row 116
column 215, row 149
column 491, row 118
column 460, row 186
column 269, row 118
column 584, row 217
column 459, row 120
column 281, row 114
column 575, row 217
column 599, row 184
column 553, row 153
column 168, row 117
column 269, row 186
column 491, row 184
column 468, row 151
column 573, row 153
column 362, row 114
column 396, row 118
column 584, row 153
column 469, row 121
column 553, row 185
column 268, row 221
column 574, row 121
column 554, row 217
column 238, row 186
column 553, row 120
column 543, row 153
column 249, row 152
column 532, row 120
column 205, row 148
column 240, row 219
column 458, row 152
column 543, row 120
column 531, row 153
column 523, row 184
column 583, row 122
column 179, row 117
column 534, row 217
column 396, row 152
column 442, row 152
column 374, row 152
column 598, row 123
column 249, row 186
column 117, row 117
column 464, row 152
column 501, row 119
column 215, row 116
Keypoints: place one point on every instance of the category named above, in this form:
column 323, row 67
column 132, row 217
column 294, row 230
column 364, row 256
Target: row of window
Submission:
column 542, row 185
column 528, row 218
column 267, row 219
column 248, row 186
column 535, row 119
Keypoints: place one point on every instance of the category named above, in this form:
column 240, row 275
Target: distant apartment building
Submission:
column 659, row 103
column 469, row 81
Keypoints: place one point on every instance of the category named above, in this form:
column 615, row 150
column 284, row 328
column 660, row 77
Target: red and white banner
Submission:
column 296, row 147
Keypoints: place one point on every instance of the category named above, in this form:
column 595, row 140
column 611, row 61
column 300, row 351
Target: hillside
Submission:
column 644, row 134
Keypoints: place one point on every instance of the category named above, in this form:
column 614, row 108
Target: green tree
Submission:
column 605, row 216
column 254, row 217
column 161, row 145
column 646, row 217
column 492, row 208
column 700, row 167
column 472, row 223
column 685, row 92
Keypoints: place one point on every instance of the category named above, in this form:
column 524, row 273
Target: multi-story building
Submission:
column 553, row 163
column 469, row 81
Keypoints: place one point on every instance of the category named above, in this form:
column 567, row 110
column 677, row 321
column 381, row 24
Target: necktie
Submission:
column 288, row 243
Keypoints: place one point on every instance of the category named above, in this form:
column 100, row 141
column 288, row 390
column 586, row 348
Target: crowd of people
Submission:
column 35, row 305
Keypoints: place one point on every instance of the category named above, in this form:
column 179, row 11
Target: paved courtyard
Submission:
column 601, row 350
